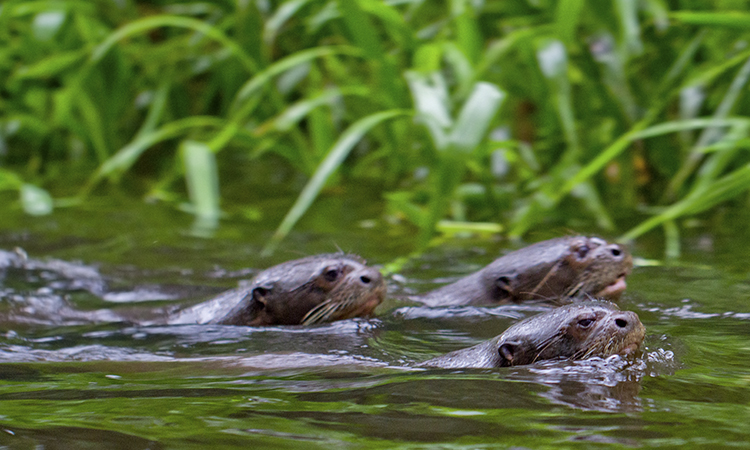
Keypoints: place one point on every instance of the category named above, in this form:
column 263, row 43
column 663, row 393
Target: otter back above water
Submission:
column 574, row 331
column 555, row 270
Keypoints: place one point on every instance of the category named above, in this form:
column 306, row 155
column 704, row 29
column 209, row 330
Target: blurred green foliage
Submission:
column 511, row 112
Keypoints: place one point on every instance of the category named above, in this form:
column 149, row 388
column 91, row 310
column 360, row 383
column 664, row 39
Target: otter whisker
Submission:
column 553, row 299
column 543, row 282
column 603, row 348
column 321, row 313
column 573, row 291
column 545, row 344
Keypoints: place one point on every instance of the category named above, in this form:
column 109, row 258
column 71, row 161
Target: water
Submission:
column 350, row 384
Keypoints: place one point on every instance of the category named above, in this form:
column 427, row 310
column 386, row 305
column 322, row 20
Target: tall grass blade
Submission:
column 733, row 19
column 461, row 67
column 671, row 239
column 622, row 143
column 202, row 178
column 587, row 192
column 475, row 117
column 712, row 133
column 691, row 101
column 47, row 24
column 432, row 104
column 330, row 163
column 261, row 79
column 360, row 27
column 121, row 161
column 629, row 25
column 658, row 12
column 567, row 17
column 393, row 20
column 679, row 66
column 615, row 76
column 282, row 15
column 156, row 109
column 51, row 66
column 95, row 127
column 525, row 217
column 148, row 24
column 291, row 116
column 726, row 188
column 469, row 130
column 367, row 37
column 468, row 36
column 553, row 62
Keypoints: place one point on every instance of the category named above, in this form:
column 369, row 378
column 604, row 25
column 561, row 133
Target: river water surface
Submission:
column 351, row 384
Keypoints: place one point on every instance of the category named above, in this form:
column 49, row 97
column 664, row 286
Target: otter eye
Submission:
column 331, row 275
column 585, row 323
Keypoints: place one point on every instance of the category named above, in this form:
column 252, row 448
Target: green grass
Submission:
column 509, row 115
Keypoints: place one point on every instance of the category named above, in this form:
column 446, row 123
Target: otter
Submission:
column 557, row 269
column 574, row 331
column 311, row 290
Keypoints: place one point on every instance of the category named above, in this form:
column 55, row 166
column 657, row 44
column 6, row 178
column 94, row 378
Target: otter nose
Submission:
column 367, row 276
column 616, row 251
column 626, row 320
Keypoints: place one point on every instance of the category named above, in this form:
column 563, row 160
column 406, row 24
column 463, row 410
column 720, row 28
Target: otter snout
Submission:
column 615, row 264
column 629, row 327
column 370, row 289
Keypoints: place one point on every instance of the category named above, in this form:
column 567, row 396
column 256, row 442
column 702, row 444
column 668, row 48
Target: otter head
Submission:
column 559, row 269
column 602, row 268
column 316, row 289
column 575, row 331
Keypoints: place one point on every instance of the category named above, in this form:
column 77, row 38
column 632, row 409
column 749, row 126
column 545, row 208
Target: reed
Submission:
column 513, row 114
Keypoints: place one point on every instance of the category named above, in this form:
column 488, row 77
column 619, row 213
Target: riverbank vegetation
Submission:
column 630, row 115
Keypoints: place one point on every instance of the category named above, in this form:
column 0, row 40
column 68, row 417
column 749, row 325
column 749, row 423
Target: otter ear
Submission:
column 259, row 296
column 507, row 352
column 504, row 286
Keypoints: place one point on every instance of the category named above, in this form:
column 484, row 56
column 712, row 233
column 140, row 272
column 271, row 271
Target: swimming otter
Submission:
column 574, row 331
column 316, row 289
column 556, row 269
